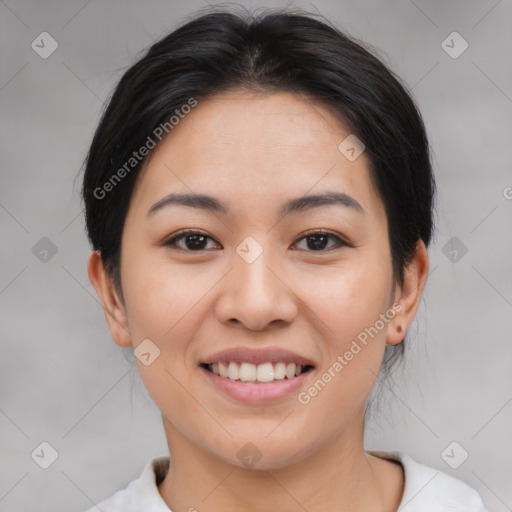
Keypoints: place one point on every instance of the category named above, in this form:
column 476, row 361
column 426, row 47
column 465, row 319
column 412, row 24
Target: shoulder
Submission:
column 428, row 489
column 141, row 493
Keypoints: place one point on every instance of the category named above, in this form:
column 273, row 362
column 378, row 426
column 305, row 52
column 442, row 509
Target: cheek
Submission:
column 346, row 304
column 347, row 298
column 164, row 304
column 165, row 301
column 346, row 309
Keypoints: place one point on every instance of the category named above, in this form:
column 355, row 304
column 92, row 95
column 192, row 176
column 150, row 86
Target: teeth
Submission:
column 223, row 369
column 233, row 371
column 290, row 370
column 247, row 372
column 280, row 371
column 265, row 372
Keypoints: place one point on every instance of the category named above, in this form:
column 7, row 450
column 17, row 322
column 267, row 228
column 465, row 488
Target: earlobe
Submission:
column 113, row 307
column 408, row 294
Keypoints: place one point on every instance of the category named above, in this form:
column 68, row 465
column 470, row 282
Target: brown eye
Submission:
column 318, row 240
column 189, row 241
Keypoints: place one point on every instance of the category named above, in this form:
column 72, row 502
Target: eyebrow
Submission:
column 299, row 204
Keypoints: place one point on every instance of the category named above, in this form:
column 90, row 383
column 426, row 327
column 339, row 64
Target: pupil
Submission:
column 317, row 245
column 198, row 241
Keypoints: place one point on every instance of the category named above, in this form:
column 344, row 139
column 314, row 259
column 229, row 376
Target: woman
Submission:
column 259, row 199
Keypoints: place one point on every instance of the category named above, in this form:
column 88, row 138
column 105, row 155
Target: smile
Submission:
column 252, row 373
column 272, row 388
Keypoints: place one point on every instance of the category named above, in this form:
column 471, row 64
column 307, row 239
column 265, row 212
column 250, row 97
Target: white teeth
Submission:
column 248, row 372
column 290, row 370
column 265, row 372
column 223, row 369
column 233, row 371
column 280, row 371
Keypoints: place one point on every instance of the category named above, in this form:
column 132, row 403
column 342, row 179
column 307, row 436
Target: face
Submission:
column 315, row 280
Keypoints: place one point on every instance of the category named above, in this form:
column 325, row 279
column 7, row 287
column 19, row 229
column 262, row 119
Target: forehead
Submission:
column 246, row 147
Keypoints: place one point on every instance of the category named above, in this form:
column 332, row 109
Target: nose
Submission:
column 255, row 294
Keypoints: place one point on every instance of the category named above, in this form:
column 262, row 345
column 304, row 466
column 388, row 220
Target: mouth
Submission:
column 264, row 373
column 257, row 375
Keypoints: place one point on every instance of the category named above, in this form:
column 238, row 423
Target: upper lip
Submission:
column 257, row 356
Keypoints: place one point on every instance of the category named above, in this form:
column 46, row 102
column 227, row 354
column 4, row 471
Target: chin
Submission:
column 264, row 454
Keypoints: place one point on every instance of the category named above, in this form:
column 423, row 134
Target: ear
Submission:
column 408, row 295
column 113, row 307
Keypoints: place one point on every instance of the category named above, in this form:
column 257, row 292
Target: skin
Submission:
column 254, row 152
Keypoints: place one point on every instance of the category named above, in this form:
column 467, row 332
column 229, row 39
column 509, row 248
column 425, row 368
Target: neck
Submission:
column 339, row 477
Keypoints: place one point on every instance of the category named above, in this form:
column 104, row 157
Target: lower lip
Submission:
column 256, row 393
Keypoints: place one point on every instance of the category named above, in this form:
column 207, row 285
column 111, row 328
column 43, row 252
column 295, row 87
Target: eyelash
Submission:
column 171, row 242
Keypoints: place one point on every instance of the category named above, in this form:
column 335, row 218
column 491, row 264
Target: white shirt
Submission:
column 426, row 489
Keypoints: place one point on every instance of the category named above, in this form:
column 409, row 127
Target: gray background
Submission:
column 62, row 379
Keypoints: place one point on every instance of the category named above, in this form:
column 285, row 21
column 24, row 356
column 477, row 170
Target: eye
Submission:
column 192, row 240
column 316, row 240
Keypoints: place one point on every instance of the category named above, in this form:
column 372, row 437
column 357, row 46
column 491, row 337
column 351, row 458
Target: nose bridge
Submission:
column 253, row 293
column 251, row 264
